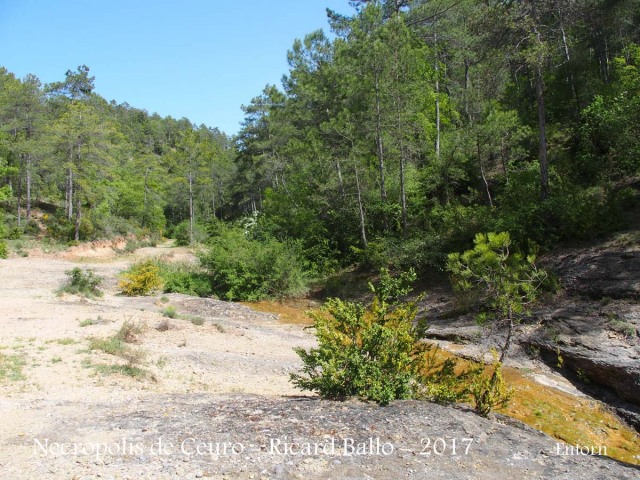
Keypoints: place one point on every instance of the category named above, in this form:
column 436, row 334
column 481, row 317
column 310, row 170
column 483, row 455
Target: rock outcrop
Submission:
column 590, row 332
column 252, row 437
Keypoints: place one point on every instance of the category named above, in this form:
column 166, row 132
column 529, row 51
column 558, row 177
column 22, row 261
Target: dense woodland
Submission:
column 391, row 142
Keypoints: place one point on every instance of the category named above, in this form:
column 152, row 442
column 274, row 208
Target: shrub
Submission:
column 506, row 282
column 185, row 278
column 129, row 331
column 82, row 282
column 111, row 345
column 4, row 253
column 245, row 269
column 490, row 393
column 182, row 234
column 170, row 312
column 376, row 354
column 32, row 228
column 141, row 279
column 117, row 345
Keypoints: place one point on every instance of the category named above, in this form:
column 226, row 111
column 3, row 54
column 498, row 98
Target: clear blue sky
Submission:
column 190, row 58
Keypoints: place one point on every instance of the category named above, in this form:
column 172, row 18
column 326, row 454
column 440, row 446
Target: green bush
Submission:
column 170, row 312
column 375, row 354
column 82, row 282
column 59, row 227
column 245, row 269
column 32, row 228
column 15, row 233
column 185, row 278
column 4, row 252
column 572, row 212
column 490, row 393
column 141, row 279
column 181, row 233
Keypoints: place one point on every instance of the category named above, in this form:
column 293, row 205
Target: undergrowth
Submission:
column 82, row 282
column 119, row 345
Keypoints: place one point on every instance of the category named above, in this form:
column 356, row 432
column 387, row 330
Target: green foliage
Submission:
column 244, row 269
column 505, row 283
column 91, row 321
column 440, row 383
column 59, row 227
column 611, row 123
column 118, row 345
column 140, row 279
column 572, row 211
column 359, row 357
column 11, row 367
column 4, row 251
column 490, row 393
column 185, row 278
column 181, row 233
column 82, row 282
column 382, row 147
column 112, row 345
column 170, row 312
column 376, row 354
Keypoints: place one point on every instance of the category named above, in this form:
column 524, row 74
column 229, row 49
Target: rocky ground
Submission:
column 590, row 332
column 213, row 399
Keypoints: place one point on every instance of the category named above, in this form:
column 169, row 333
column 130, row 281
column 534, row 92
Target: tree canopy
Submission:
column 392, row 142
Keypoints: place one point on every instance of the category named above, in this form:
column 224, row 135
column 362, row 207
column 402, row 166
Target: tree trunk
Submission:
column 19, row 200
column 542, row 134
column 340, row 181
column 213, row 198
column 220, row 198
column 379, row 145
column 507, row 343
column 399, row 134
column 69, row 193
column 191, row 208
column 484, row 178
column 76, row 235
column 467, row 85
column 28, row 173
column 437, row 71
column 363, row 231
column 567, row 57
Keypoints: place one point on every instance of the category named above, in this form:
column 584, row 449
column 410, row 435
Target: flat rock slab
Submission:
column 600, row 274
column 254, row 437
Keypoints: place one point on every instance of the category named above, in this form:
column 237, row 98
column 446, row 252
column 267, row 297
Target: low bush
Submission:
column 185, row 278
column 141, row 279
column 170, row 312
column 118, row 345
column 182, row 234
column 82, row 282
column 244, row 269
column 490, row 392
column 130, row 331
column 376, row 353
column 11, row 367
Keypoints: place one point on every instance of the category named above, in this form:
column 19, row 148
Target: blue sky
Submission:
column 190, row 58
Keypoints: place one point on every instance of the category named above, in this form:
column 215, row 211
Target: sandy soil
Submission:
column 235, row 351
